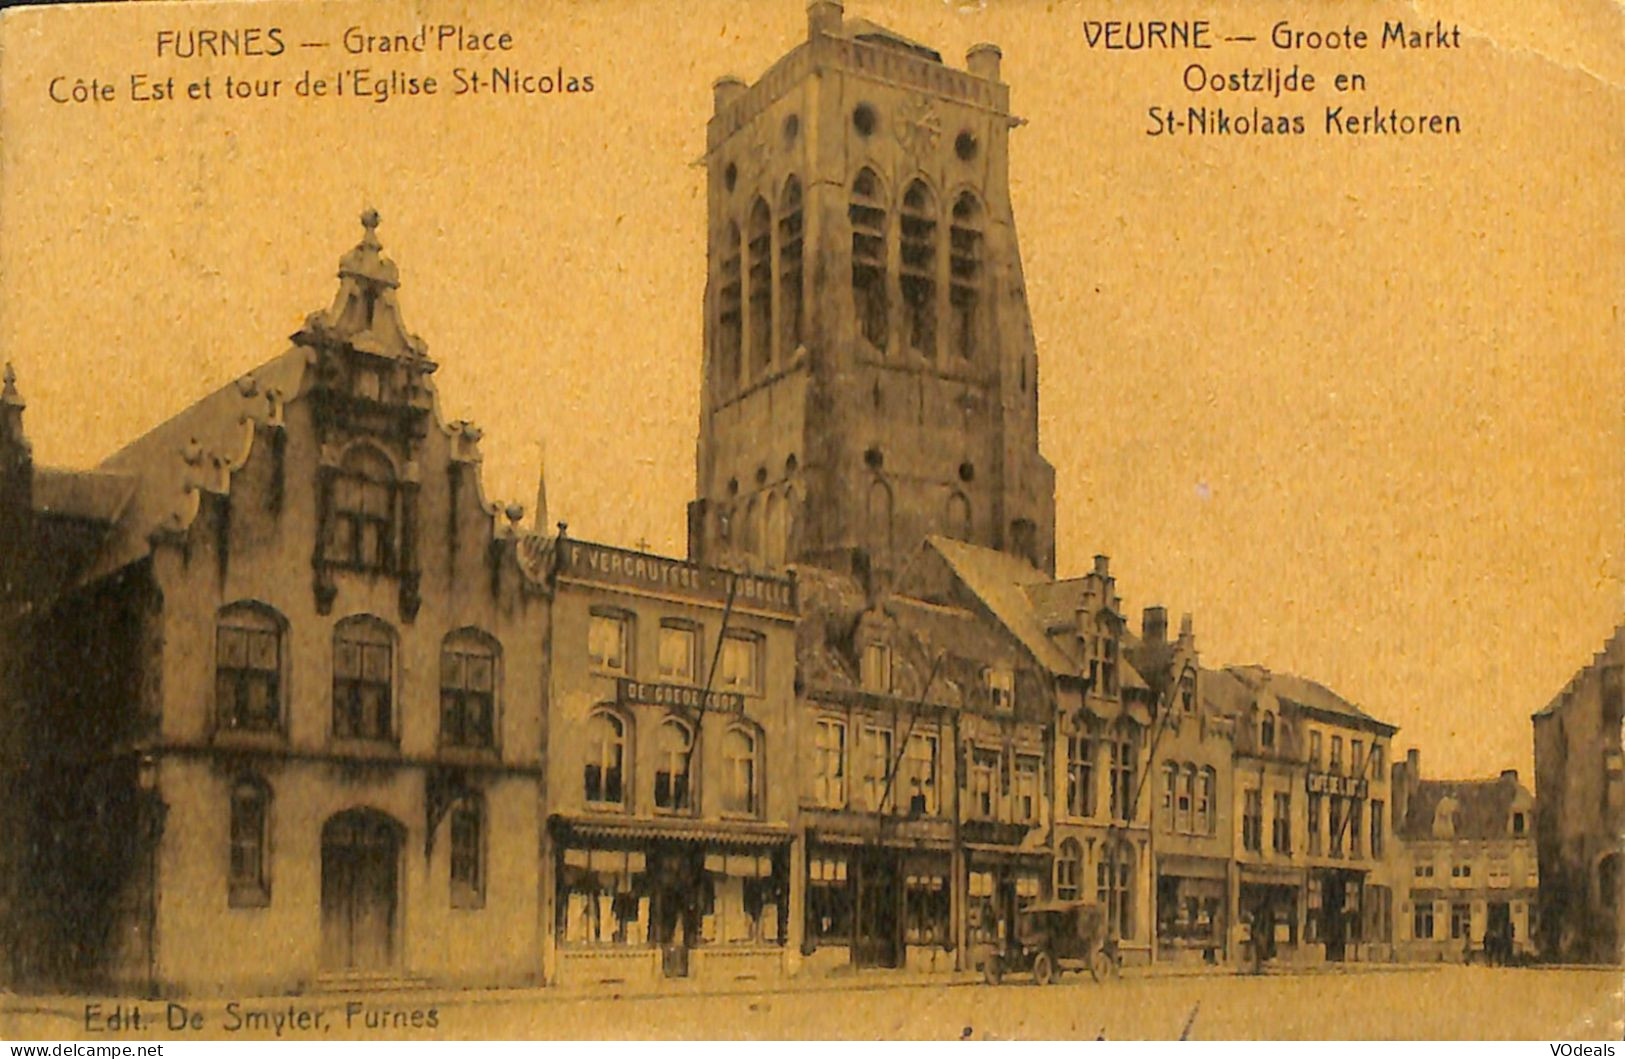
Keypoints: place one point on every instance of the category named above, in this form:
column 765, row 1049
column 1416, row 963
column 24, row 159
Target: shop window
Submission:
column 761, row 288
column 919, row 268
column 1252, row 821
column 361, row 523
column 730, row 319
column 468, row 690
column 740, row 900
column 363, row 679
column 740, row 668
column 867, row 213
column 467, row 829
column 1281, row 824
column 922, row 774
column 248, row 668
column 1422, row 921
column 248, row 884
column 965, row 275
column 673, row 746
column 791, row 239
column 604, row 898
column 609, row 642
column 739, row 757
column 927, row 919
column 604, row 772
column 982, row 919
column 1026, row 788
column 829, row 782
column 877, row 766
column 1080, row 775
column 829, row 900
column 984, row 771
column 1068, row 870
column 679, row 650
column 875, row 668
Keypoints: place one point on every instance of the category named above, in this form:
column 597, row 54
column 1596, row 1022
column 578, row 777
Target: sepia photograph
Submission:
column 584, row 521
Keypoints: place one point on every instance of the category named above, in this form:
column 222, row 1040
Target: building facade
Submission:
column 670, row 846
column 1580, row 816
column 1464, row 865
column 211, row 753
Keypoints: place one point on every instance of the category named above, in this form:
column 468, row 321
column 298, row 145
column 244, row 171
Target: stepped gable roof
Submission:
column 1612, row 651
column 1481, row 809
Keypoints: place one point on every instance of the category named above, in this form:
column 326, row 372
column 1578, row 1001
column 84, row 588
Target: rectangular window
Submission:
column 1170, row 780
column 926, row 909
column 1461, row 921
column 679, row 652
column 740, row 668
column 1122, row 776
column 1026, row 806
column 1314, row 749
column 1357, row 757
column 1376, row 761
column 877, row 766
column 1207, row 798
column 984, row 771
column 467, row 692
column 467, row 878
column 829, row 743
column 363, row 672
column 1422, row 921
column 875, row 668
column 829, row 900
column 246, row 876
column 1001, row 686
column 1252, row 820
column 609, row 643
column 1335, row 824
column 248, row 671
column 1080, row 776
column 1187, row 799
column 1337, row 753
column 922, row 774
column 1376, row 826
column 1356, row 826
column 1281, row 824
column 1314, row 823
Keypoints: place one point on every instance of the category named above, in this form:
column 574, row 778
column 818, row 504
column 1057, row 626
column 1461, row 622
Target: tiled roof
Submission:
column 1481, row 809
column 1304, row 692
column 96, row 496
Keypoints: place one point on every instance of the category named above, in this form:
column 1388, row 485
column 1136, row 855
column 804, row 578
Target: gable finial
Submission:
column 9, row 393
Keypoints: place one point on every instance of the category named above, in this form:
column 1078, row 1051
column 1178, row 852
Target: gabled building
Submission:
column 1464, row 865
column 276, row 678
column 1580, row 819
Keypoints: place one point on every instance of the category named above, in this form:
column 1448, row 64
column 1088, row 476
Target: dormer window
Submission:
column 875, row 669
column 1517, row 823
column 1001, row 687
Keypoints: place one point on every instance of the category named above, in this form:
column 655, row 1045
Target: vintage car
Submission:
column 1051, row 937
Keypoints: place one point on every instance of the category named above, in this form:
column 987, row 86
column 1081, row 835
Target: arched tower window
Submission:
column 965, row 274
column 919, row 268
column 761, row 288
column 729, row 304
column 880, row 518
column 775, row 532
column 868, row 215
column 791, row 233
column 958, row 521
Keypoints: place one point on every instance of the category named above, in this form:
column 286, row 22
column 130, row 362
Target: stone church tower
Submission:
column 870, row 375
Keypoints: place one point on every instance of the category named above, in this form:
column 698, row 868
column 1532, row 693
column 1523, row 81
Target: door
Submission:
column 879, row 914
column 360, row 891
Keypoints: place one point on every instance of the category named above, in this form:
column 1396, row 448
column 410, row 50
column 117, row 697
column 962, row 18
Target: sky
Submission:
column 1354, row 402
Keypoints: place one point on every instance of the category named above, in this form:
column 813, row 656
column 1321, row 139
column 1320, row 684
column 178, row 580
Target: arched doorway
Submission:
column 361, row 856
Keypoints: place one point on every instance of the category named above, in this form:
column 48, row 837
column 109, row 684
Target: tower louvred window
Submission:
column 730, row 293
column 792, row 226
column 919, row 268
column 761, row 288
column 868, row 216
column 965, row 274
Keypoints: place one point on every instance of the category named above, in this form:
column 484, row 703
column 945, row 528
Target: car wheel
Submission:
column 1043, row 969
column 993, row 971
column 1101, row 966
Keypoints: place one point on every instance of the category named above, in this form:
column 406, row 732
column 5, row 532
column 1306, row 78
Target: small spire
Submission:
column 541, row 488
column 10, row 394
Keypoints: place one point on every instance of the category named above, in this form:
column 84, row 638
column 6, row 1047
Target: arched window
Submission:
column 761, row 288
column 730, row 293
column 363, row 679
column 248, row 668
column 249, row 886
column 776, row 531
column 965, row 274
column 791, row 236
column 1069, row 871
column 867, row 212
column 671, row 766
column 1187, row 799
column 361, row 525
column 467, row 827
column 1114, row 891
column 1266, row 736
column 919, row 268
column 468, row 689
column 880, row 519
column 958, row 520
column 604, row 773
column 739, row 785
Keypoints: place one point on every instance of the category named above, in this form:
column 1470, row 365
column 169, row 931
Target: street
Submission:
column 1415, row 1002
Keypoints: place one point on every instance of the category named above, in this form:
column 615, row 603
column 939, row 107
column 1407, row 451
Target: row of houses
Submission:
column 286, row 703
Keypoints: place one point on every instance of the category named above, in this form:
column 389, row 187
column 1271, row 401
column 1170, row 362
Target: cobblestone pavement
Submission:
column 1375, row 1002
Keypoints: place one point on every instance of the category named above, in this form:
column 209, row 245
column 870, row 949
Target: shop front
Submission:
column 1000, row 884
column 1192, row 909
column 877, row 905
column 1269, row 914
column 643, row 903
column 1335, row 915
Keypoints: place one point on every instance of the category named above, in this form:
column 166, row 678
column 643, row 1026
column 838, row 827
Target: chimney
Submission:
column 1154, row 626
column 983, row 61
column 824, row 18
column 1101, row 564
column 725, row 90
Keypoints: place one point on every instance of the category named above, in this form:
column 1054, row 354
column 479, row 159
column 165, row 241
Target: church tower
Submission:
column 870, row 375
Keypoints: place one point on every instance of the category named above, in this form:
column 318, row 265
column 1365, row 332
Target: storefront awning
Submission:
column 741, row 834
column 1186, row 866
column 1275, row 875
